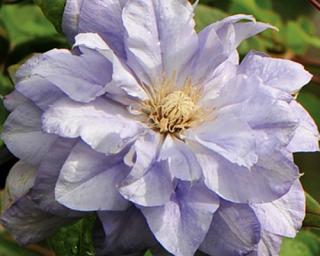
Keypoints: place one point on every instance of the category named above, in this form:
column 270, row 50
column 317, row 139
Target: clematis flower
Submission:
column 162, row 131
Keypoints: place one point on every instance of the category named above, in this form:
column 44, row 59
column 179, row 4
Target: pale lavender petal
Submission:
column 232, row 32
column 70, row 20
column 227, row 136
column 281, row 74
column 306, row 136
column 143, row 154
column 88, row 181
column 23, row 136
column 104, row 125
column 268, row 180
column 82, row 77
column 153, row 40
column 13, row 100
column 124, row 232
column 154, row 188
column 283, row 216
column 181, row 225
column 19, row 181
column 104, row 17
column 235, row 230
column 43, row 191
column 123, row 84
column 182, row 161
column 269, row 245
column 24, row 215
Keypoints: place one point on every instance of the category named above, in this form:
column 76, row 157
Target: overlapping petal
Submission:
column 87, row 174
column 124, row 233
column 268, row 180
column 153, row 41
column 181, row 224
column 23, row 136
column 104, row 125
column 235, row 230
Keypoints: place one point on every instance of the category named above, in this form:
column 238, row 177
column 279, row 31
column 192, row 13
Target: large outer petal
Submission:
column 104, row 17
column 82, row 77
column 124, row 85
column 229, row 137
column 306, row 136
column 283, row 216
column 123, row 233
column 153, row 40
column 88, row 181
column 268, row 180
column 29, row 224
column 21, row 214
column 43, row 191
column 23, row 136
column 284, row 75
column 235, row 230
column 181, row 225
column 103, row 124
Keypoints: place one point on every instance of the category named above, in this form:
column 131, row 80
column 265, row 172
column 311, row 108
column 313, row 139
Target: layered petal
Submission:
column 153, row 41
column 181, row 225
column 235, row 230
column 124, row 85
column 13, row 100
column 124, row 233
column 23, row 136
column 24, row 215
column 43, row 191
column 104, row 125
column 70, row 20
column 182, row 161
column 306, row 136
column 154, row 188
column 104, row 17
column 232, row 32
column 269, row 245
column 285, row 75
column 266, row 181
column 20, row 213
column 82, row 77
column 88, row 181
column 227, row 136
column 284, row 216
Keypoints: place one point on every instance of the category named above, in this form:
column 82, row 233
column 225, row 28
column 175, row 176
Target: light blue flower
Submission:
column 146, row 120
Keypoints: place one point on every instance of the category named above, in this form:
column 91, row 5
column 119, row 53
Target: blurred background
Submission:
column 25, row 30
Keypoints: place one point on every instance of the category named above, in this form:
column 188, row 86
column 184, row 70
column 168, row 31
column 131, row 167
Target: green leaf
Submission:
column 74, row 239
column 25, row 22
column 5, row 85
column 148, row 253
column 205, row 15
column 53, row 10
column 312, row 218
column 305, row 244
column 10, row 248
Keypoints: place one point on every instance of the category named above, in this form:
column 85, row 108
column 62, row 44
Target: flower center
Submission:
column 171, row 110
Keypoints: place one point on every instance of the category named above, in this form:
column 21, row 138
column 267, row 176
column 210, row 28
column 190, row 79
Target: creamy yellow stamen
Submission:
column 171, row 109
